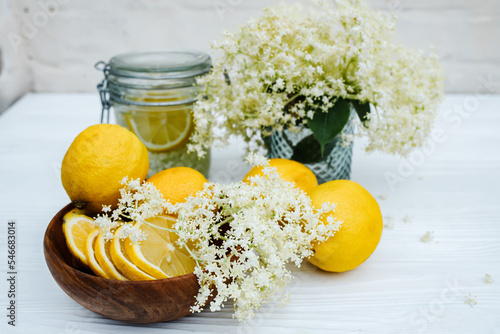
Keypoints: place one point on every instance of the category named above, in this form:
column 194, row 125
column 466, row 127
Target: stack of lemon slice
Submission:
column 156, row 257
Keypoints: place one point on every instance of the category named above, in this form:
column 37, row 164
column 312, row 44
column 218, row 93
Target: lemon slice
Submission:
column 159, row 255
column 76, row 228
column 89, row 252
column 161, row 131
column 123, row 262
column 102, row 254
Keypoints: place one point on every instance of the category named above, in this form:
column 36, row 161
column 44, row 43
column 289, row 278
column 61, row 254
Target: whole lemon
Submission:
column 360, row 231
column 291, row 171
column 178, row 183
column 97, row 160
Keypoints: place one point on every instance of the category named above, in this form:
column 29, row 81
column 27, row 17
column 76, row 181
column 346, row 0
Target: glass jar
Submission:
column 152, row 94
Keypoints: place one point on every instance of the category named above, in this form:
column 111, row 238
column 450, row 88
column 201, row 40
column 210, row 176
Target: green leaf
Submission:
column 363, row 109
column 326, row 126
column 308, row 150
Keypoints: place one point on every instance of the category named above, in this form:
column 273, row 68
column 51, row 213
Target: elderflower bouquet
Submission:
column 241, row 235
column 296, row 66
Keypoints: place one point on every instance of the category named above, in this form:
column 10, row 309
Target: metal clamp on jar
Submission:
column 152, row 94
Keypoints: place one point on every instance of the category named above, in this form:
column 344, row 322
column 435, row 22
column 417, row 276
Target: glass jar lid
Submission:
column 160, row 64
column 152, row 78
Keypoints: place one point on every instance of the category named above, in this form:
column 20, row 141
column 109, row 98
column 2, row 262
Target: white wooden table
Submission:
column 406, row 286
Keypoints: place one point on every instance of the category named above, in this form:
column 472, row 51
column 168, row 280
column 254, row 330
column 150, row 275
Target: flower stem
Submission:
column 292, row 98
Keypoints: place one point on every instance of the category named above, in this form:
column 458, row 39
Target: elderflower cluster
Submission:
column 241, row 235
column 137, row 203
column 245, row 234
column 276, row 69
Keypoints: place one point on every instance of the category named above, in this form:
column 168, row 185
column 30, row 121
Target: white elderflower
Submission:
column 428, row 237
column 243, row 235
column 383, row 197
column 138, row 202
column 471, row 301
column 273, row 70
column 488, row 279
column 389, row 222
column 255, row 159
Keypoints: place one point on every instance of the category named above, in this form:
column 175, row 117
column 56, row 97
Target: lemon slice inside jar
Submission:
column 161, row 131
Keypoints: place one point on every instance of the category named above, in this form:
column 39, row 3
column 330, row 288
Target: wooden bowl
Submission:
column 131, row 301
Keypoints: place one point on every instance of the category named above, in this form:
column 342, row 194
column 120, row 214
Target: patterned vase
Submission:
column 301, row 146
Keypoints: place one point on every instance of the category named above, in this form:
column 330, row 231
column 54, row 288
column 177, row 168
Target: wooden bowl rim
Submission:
column 62, row 264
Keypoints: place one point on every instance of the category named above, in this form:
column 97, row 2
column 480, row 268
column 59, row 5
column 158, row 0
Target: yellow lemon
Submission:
column 89, row 252
column 291, row 171
column 178, row 183
column 97, row 161
column 103, row 257
column 361, row 229
column 123, row 262
column 76, row 211
column 159, row 255
column 76, row 228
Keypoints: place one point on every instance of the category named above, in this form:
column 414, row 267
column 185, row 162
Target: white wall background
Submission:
column 14, row 74
column 52, row 45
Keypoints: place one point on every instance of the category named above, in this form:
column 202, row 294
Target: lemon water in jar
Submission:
column 152, row 94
